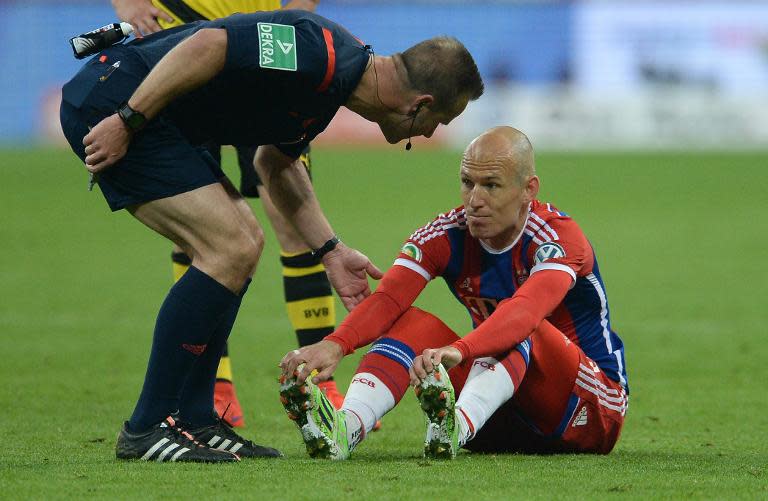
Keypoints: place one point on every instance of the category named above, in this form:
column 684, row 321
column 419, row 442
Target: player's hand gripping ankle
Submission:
column 427, row 362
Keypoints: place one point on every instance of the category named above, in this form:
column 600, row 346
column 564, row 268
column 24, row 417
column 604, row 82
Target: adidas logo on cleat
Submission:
column 220, row 436
column 166, row 442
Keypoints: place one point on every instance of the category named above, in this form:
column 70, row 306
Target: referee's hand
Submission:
column 348, row 271
column 106, row 143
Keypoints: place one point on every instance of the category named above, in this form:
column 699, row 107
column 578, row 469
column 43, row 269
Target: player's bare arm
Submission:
column 141, row 14
column 291, row 191
column 187, row 66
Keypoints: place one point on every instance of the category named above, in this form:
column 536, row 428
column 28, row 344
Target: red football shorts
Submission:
column 564, row 403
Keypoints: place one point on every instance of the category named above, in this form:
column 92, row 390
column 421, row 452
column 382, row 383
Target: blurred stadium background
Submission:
column 589, row 74
column 650, row 124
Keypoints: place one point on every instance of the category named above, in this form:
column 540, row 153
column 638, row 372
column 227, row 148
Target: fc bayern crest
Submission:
column 547, row 251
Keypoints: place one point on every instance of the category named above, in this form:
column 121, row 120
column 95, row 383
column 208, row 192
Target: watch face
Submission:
column 133, row 119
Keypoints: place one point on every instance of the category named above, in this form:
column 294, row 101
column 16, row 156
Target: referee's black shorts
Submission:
column 249, row 178
column 160, row 161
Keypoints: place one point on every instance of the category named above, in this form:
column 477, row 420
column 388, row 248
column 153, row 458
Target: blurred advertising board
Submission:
column 625, row 47
column 647, row 75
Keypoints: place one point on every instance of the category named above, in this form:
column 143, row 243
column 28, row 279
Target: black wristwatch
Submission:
column 134, row 120
column 326, row 248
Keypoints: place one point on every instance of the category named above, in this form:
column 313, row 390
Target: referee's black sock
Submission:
column 196, row 404
column 190, row 314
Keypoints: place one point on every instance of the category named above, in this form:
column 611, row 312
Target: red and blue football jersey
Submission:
column 481, row 277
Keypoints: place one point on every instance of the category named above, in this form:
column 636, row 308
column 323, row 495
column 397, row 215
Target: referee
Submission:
column 307, row 292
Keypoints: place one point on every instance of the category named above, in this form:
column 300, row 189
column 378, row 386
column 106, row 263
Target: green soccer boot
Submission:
column 438, row 401
column 322, row 427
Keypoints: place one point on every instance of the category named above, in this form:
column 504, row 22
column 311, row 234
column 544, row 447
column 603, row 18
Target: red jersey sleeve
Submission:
column 397, row 291
column 428, row 250
column 423, row 256
column 558, row 243
column 517, row 317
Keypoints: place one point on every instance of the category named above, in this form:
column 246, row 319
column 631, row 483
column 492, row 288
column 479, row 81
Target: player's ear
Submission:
column 531, row 189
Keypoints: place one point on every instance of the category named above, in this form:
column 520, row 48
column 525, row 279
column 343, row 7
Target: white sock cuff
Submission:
column 487, row 388
column 369, row 398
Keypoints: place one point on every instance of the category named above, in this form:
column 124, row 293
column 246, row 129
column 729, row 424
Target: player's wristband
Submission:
column 325, row 248
column 134, row 120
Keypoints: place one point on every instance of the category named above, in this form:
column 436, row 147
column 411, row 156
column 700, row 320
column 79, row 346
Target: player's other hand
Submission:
column 141, row 14
column 323, row 357
column 106, row 143
column 348, row 271
column 425, row 363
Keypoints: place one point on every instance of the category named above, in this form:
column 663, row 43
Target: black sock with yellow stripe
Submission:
column 181, row 263
column 308, row 297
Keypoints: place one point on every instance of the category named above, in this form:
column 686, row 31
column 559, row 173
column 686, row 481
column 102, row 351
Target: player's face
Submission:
column 495, row 202
column 426, row 121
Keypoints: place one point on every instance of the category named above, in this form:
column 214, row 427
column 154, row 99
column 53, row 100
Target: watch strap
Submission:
column 134, row 120
column 326, row 248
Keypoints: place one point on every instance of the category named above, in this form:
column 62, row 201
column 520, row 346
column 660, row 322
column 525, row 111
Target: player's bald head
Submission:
column 507, row 146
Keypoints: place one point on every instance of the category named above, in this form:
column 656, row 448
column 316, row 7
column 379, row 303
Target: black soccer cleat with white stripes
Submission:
column 167, row 442
column 220, row 436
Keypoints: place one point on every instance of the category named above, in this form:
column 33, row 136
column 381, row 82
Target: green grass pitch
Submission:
column 681, row 241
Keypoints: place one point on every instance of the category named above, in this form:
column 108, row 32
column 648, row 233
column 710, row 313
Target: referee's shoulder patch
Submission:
column 277, row 46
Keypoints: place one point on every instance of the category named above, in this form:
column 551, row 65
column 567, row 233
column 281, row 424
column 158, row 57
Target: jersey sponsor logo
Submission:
column 412, row 251
column 482, row 307
column 547, row 251
column 277, row 46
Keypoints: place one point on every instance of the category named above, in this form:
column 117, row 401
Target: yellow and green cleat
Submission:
column 322, row 427
column 438, row 401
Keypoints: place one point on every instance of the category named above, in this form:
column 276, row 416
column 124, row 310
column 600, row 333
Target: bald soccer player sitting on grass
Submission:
column 542, row 370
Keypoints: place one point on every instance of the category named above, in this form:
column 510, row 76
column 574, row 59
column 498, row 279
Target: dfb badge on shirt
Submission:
column 412, row 251
column 277, row 46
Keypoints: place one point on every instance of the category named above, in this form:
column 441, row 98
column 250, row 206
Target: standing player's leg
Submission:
column 307, row 291
column 196, row 407
column 207, row 226
column 226, row 402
